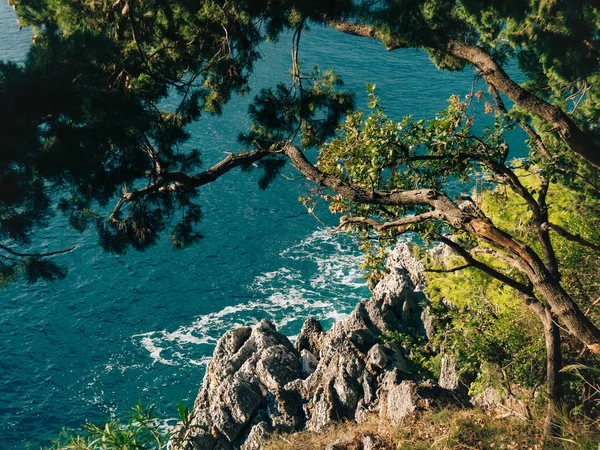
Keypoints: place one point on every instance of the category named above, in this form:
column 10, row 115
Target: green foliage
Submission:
column 492, row 333
column 419, row 361
column 184, row 414
column 376, row 153
column 142, row 430
column 573, row 205
column 84, row 121
column 100, row 70
column 313, row 111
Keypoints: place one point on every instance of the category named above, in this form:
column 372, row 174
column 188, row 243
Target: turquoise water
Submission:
column 142, row 325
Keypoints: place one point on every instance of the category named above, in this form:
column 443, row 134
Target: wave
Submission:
column 321, row 279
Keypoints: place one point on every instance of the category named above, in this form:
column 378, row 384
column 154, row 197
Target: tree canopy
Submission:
column 96, row 139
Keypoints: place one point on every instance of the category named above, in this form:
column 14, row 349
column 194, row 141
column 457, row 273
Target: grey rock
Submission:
column 277, row 366
column 377, row 357
column 375, row 443
column 369, row 443
column 428, row 319
column 258, row 382
column 285, row 410
column 408, row 397
column 310, row 337
column 502, row 402
column 449, row 378
column 257, row 436
column 201, row 440
column 403, row 258
column 401, row 401
column 249, row 365
column 308, row 362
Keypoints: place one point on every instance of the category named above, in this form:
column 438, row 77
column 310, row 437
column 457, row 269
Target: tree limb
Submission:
column 176, row 180
column 34, row 255
column 380, row 226
column 579, row 142
column 522, row 288
column 455, row 269
column 570, row 236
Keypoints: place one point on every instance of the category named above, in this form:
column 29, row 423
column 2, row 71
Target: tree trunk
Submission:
column 553, row 366
column 546, row 286
column 579, row 141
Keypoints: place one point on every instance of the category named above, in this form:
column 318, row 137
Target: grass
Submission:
column 445, row 429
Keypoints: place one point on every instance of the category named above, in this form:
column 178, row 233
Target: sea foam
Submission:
column 322, row 280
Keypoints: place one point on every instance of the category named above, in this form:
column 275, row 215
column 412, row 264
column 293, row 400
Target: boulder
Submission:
column 243, row 395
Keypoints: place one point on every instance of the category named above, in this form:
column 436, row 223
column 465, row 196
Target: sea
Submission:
column 142, row 326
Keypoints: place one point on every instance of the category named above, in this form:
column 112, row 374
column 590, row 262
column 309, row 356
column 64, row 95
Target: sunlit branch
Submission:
column 380, row 226
column 454, row 269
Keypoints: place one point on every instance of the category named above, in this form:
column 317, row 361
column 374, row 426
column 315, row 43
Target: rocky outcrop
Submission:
column 258, row 382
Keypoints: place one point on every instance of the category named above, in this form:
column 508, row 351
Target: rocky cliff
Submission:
column 259, row 382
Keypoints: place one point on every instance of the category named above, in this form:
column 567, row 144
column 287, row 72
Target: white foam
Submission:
column 328, row 291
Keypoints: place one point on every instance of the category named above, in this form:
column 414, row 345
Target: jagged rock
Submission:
column 352, row 360
column 377, row 357
column 201, row 440
column 310, row 336
column 449, row 378
column 308, row 362
column 258, row 382
column 401, row 401
column 428, row 320
column 257, row 436
column 409, row 397
column 245, row 378
column 402, row 258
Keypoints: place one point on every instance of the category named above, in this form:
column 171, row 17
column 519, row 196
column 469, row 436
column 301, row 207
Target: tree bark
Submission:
column 576, row 139
column 553, row 381
column 527, row 261
column 553, row 365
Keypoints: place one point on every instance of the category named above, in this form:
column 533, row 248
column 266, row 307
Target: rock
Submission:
column 375, row 443
column 401, row 401
column 201, row 440
column 257, row 436
column 369, row 443
column 502, row 402
column 377, row 357
column 403, row 258
column 258, row 382
column 277, row 366
column 284, row 408
column 428, row 319
column 244, row 386
column 408, row 397
column 449, row 378
column 308, row 362
column 310, row 337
